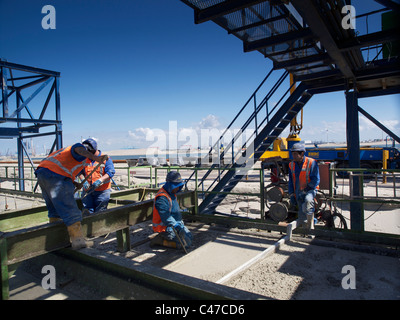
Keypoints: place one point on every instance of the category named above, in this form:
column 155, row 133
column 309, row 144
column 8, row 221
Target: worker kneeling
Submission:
column 167, row 218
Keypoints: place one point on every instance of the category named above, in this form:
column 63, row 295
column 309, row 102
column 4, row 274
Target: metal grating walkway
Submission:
column 305, row 37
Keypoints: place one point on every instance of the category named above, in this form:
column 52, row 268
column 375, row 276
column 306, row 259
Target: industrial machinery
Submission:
column 281, row 210
column 277, row 159
column 370, row 158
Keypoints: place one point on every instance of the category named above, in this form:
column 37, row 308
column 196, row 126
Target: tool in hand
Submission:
column 90, row 190
column 180, row 240
column 93, row 188
column 89, row 175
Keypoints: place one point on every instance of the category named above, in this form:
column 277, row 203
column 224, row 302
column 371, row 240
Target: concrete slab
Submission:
column 216, row 258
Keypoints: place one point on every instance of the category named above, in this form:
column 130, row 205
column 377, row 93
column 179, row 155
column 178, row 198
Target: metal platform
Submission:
column 306, row 38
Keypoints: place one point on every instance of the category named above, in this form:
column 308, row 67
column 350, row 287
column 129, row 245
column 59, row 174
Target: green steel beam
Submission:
column 27, row 243
column 32, row 241
column 323, row 232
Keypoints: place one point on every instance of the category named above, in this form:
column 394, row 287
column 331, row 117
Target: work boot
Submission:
column 160, row 241
column 76, row 236
column 310, row 225
column 169, row 244
column 310, row 222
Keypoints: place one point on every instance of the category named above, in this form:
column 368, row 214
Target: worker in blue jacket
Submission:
column 97, row 187
column 167, row 215
column 303, row 184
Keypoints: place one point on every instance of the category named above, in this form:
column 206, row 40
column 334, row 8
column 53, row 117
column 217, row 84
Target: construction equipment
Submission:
column 281, row 210
column 370, row 158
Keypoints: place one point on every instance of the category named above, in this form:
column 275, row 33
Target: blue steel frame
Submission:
column 30, row 126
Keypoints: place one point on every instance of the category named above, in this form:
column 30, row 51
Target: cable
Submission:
column 374, row 211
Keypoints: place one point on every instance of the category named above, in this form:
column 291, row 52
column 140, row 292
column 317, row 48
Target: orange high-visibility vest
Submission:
column 304, row 176
column 96, row 175
column 158, row 225
column 63, row 163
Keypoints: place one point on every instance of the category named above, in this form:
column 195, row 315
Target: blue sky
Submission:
column 130, row 66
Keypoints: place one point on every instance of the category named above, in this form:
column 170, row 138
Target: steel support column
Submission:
column 353, row 147
column 4, row 91
column 58, row 130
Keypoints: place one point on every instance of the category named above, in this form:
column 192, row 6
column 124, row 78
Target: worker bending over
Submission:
column 167, row 215
column 56, row 175
column 303, row 184
column 97, row 187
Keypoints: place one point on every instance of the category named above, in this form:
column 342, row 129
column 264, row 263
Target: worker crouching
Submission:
column 56, row 175
column 167, row 217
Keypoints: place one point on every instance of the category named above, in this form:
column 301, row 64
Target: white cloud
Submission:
column 209, row 122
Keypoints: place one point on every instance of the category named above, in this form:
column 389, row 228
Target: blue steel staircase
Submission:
column 262, row 136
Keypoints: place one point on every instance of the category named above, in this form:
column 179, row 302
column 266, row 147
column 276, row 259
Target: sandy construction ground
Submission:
column 298, row 270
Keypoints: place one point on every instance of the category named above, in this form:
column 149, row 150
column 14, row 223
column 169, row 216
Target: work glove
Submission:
column 178, row 227
column 96, row 184
column 86, row 186
column 186, row 237
column 306, row 189
column 302, row 195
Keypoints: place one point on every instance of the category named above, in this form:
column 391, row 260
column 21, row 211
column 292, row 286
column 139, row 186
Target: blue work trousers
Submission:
column 58, row 193
column 305, row 202
column 96, row 201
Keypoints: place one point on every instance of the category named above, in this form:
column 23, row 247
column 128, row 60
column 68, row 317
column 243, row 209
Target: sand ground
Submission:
column 298, row 270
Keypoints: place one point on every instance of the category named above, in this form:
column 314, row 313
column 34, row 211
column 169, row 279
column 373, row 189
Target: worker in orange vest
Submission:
column 56, row 175
column 303, row 184
column 167, row 215
column 97, row 187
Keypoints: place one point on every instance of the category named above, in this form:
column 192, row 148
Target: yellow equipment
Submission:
column 280, row 146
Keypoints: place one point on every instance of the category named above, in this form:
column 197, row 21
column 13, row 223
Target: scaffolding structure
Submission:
column 27, row 94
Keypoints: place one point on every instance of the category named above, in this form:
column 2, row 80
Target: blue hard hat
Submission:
column 174, row 177
column 90, row 144
column 298, row 147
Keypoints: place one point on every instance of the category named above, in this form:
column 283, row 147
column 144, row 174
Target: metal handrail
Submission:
column 252, row 117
